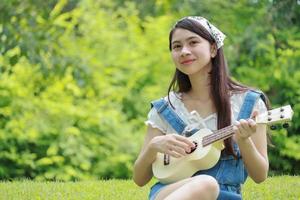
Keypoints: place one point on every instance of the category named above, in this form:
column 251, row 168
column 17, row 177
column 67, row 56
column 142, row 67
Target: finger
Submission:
column 243, row 125
column 176, row 149
column 254, row 114
column 182, row 145
column 185, row 140
column 236, row 123
column 179, row 150
column 244, row 129
column 173, row 154
column 243, row 122
column 237, row 132
column 252, row 125
column 241, row 128
column 249, row 125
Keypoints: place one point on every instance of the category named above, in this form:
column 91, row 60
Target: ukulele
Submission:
column 209, row 144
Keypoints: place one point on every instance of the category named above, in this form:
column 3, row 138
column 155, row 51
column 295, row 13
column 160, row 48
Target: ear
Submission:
column 213, row 50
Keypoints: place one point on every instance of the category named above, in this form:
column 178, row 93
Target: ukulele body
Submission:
column 179, row 168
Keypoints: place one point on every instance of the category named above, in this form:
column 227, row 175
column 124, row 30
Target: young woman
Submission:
column 204, row 96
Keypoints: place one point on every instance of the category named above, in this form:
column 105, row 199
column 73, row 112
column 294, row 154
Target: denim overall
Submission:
column 229, row 172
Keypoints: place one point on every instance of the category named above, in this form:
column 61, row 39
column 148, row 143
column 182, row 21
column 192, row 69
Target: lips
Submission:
column 189, row 61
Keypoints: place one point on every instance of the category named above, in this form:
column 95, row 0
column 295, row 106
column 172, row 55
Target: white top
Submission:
column 193, row 119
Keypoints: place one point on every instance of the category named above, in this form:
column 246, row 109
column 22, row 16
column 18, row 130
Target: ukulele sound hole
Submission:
column 193, row 149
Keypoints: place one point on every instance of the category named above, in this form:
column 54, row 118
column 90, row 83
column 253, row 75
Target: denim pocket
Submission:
column 231, row 171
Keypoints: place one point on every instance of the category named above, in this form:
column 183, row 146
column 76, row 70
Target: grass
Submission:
column 279, row 187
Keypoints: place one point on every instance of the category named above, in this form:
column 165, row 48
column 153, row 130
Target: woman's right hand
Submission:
column 172, row 144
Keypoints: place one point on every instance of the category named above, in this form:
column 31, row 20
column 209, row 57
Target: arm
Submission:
column 252, row 141
column 155, row 141
column 142, row 171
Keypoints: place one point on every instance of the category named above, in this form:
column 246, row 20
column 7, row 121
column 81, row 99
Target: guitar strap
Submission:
column 164, row 109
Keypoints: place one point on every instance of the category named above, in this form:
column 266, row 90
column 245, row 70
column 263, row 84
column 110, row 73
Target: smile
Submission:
column 187, row 62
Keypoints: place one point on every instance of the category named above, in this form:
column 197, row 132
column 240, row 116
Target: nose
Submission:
column 185, row 51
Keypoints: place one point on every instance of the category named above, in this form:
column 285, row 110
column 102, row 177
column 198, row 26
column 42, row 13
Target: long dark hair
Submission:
column 221, row 83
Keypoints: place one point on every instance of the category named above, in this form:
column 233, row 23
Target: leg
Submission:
column 201, row 187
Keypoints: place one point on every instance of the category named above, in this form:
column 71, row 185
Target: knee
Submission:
column 205, row 186
column 210, row 183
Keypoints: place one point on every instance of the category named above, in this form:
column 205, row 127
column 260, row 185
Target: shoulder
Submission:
column 156, row 120
column 173, row 97
column 237, row 98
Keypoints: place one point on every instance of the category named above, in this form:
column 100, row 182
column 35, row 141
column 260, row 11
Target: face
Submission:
column 190, row 52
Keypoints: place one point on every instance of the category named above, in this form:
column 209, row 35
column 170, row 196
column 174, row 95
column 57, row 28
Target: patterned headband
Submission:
column 214, row 31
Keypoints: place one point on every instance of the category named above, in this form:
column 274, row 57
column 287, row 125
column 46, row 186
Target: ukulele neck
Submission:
column 221, row 134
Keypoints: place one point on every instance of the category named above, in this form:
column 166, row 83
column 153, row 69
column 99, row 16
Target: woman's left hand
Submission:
column 244, row 128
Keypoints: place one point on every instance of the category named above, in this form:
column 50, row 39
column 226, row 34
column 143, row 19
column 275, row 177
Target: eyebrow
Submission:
column 189, row 38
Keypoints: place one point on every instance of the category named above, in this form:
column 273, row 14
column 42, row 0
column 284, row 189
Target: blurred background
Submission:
column 77, row 78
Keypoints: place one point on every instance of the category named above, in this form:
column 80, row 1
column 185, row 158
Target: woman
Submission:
column 204, row 96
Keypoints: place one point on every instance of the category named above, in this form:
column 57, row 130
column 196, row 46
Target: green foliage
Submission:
column 271, row 58
column 77, row 78
column 73, row 101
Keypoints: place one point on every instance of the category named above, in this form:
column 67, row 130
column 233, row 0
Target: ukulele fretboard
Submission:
column 218, row 135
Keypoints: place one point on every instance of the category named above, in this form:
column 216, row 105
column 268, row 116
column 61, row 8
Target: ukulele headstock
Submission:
column 281, row 114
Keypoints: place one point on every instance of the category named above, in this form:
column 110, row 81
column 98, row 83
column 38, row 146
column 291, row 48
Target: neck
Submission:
column 200, row 83
column 217, row 135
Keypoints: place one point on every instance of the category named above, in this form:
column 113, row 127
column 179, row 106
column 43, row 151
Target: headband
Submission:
column 213, row 31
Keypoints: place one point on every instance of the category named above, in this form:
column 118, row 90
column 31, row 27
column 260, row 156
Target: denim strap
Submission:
column 248, row 104
column 247, row 107
column 164, row 109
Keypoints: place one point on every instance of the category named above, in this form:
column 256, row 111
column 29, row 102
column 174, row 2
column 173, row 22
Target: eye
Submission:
column 176, row 46
column 194, row 42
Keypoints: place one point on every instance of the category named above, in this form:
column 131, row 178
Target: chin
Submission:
column 186, row 72
column 191, row 71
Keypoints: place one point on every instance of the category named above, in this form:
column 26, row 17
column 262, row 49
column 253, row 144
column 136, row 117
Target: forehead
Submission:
column 182, row 34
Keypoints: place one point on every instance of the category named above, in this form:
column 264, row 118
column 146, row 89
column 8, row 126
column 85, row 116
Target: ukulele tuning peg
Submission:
column 273, row 127
column 285, row 125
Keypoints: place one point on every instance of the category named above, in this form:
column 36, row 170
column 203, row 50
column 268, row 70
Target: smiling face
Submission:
column 191, row 53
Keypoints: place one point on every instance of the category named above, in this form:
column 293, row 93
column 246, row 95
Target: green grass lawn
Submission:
column 281, row 187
